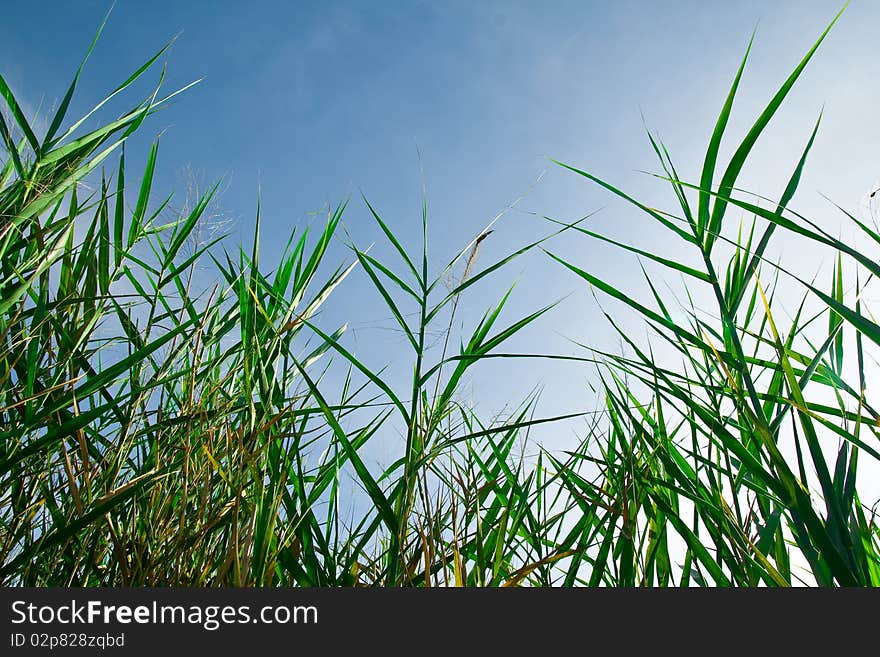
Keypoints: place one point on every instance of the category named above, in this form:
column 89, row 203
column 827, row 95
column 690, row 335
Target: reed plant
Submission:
column 158, row 431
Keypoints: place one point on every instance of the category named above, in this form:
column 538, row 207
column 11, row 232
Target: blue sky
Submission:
column 313, row 102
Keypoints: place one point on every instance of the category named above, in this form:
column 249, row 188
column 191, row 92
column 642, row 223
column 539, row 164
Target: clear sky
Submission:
column 315, row 101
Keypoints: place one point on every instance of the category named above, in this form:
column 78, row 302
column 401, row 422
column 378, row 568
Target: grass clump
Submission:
column 155, row 431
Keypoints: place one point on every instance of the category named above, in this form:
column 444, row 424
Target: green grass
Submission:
column 156, row 432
